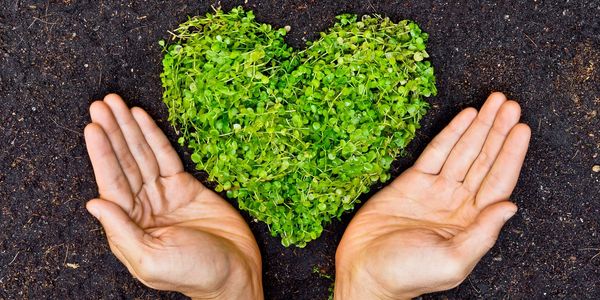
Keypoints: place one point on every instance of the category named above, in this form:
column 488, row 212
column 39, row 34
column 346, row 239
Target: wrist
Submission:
column 244, row 281
column 353, row 285
column 250, row 288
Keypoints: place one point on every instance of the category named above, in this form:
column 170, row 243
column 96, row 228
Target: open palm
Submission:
column 427, row 230
column 170, row 231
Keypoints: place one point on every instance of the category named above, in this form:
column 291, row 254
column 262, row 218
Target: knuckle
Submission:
column 454, row 130
column 166, row 146
column 120, row 178
column 484, row 159
column 127, row 162
column 496, row 181
column 112, row 131
column 484, row 122
column 436, row 145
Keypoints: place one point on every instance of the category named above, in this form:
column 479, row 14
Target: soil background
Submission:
column 56, row 57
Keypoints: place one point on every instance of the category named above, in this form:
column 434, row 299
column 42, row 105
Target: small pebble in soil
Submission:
column 596, row 168
column 72, row 265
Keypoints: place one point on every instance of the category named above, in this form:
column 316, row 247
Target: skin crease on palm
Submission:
column 423, row 233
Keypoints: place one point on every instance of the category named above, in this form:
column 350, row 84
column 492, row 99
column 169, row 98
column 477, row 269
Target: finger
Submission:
column 507, row 118
column 435, row 154
column 141, row 151
column 112, row 183
column 477, row 239
column 502, row 178
column 102, row 115
column 122, row 233
column 468, row 147
column 168, row 160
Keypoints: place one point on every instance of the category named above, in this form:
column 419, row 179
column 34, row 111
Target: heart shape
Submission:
column 296, row 137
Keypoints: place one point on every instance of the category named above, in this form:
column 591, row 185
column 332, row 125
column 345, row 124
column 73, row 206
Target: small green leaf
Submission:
column 196, row 157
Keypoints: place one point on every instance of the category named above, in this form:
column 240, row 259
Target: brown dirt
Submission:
column 58, row 56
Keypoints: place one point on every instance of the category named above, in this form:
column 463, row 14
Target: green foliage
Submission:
column 296, row 136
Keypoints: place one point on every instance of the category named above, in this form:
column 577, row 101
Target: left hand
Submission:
column 170, row 231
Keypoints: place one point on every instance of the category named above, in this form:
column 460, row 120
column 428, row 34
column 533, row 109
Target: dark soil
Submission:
column 58, row 56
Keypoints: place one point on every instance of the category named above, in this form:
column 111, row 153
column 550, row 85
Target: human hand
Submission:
column 427, row 230
column 170, row 231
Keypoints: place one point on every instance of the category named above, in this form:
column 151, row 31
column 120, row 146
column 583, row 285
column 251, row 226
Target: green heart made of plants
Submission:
column 295, row 136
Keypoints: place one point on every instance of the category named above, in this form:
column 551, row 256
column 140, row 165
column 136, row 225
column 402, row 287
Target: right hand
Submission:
column 427, row 230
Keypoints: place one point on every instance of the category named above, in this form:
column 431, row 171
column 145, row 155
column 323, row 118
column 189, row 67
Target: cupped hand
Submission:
column 170, row 231
column 427, row 230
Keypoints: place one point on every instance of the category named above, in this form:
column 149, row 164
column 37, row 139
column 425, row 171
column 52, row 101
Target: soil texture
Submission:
column 57, row 56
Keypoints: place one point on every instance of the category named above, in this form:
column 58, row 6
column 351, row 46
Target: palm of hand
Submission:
column 426, row 230
column 170, row 231
column 191, row 230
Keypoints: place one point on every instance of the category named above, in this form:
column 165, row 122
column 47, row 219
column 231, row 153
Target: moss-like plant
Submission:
column 296, row 136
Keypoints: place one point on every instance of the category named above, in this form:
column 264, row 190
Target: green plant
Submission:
column 322, row 273
column 295, row 136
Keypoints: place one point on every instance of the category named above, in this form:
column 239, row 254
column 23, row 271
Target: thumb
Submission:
column 477, row 239
column 120, row 230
